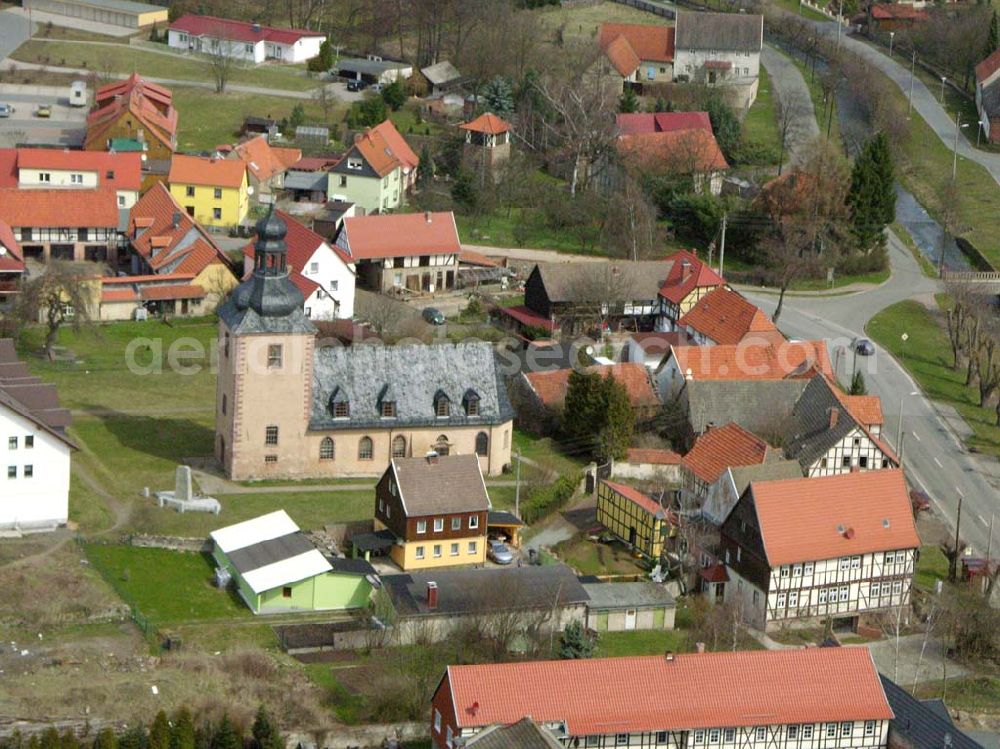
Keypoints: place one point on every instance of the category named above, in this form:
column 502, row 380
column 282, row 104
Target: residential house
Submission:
column 37, row 450
column 52, row 223
column 892, row 17
column 649, row 464
column 321, row 271
column 417, row 252
column 719, row 49
column 639, row 53
column 624, row 607
column 748, row 360
column 52, row 168
column 446, row 398
column 689, row 152
column 922, row 724
column 635, row 518
column 487, row 143
column 373, row 69
column 716, row 450
column 266, row 165
column 829, row 433
column 212, row 191
column 988, row 96
column 759, row 406
column 241, row 40
column 376, row 171
column 688, row 281
column 11, row 267
column 723, row 494
column 836, row 547
column 133, row 110
column 441, row 77
column 525, row 734
column 175, row 266
column 436, row 508
column 830, row 696
column 541, row 395
column 432, row 605
column 124, row 13
column 276, row 568
column 725, row 317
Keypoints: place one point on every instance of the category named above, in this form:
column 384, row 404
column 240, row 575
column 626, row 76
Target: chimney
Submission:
column 432, row 596
column 177, row 219
column 358, row 137
column 669, row 656
column 834, row 417
column 849, row 534
column 685, row 270
column 699, row 647
column 427, row 216
column 432, row 457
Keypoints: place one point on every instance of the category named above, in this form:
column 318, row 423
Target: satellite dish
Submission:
column 3, row 250
column 250, row 191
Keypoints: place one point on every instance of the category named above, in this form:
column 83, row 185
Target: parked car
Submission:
column 377, row 88
column 356, row 85
column 43, row 110
column 920, row 500
column 864, row 347
column 6, row 110
column 433, row 316
column 500, row 553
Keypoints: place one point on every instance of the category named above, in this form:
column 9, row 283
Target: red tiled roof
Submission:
column 716, row 573
column 264, row 161
column 11, row 260
column 110, row 296
column 486, row 123
column 150, row 104
column 316, row 163
column 197, row 170
column 301, row 244
column 724, row 316
column 867, row 409
column 527, row 317
column 397, row 144
column 8, row 167
column 637, row 497
column 622, row 56
column 724, row 447
column 652, row 43
column 834, row 516
column 691, row 691
column 375, row 149
column 125, row 168
column 476, row 258
column 306, row 285
column 129, row 280
column 687, row 274
column 897, row 11
column 652, row 456
column 170, row 291
column 242, row 31
column 753, row 359
column 55, row 208
column 400, row 235
column 662, row 122
column 988, row 67
column 673, row 152
column 551, row 387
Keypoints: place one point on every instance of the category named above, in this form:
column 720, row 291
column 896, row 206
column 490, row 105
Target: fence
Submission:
column 649, row 7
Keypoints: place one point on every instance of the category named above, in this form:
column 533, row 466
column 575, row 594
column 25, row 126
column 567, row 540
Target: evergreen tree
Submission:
column 629, row 102
column 498, row 97
column 371, row 111
column 725, row 124
column 615, row 434
column 574, row 642
column 872, row 194
column 394, row 95
column 154, row 33
column 50, row 738
column 858, row 386
column 582, row 417
column 265, row 732
column 106, row 739
column 225, row 735
column 993, row 39
column 68, row 740
column 134, row 738
column 660, row 105
column 463, row 191
column 159, row 732
column 182, row 732
column 425, row 172
column 297, row 117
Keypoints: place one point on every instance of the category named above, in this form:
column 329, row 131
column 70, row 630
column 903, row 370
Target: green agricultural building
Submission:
column 277, row 569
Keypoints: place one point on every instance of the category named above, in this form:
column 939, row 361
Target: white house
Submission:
column 719, row 49
column 323, row 272
column 49, row 168
column 835, row 547
column 34, row 483
column 251, row 42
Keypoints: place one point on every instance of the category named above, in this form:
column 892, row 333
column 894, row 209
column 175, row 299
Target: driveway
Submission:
column 933, row 456
column 792, row 91
column 13, row 32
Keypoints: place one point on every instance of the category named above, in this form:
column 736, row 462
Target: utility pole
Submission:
column 722, row 243
column 954, row 161
column 989, row 541
column 840, row 22
column 517, row 485
column 953, row 570
column 913, row 64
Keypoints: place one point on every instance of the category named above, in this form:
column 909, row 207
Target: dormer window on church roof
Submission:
column 387, row 403
column 442, row 404
column 471, row 402
column 340, row 405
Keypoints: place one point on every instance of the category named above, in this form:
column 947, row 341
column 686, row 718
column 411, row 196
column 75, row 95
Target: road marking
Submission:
column 917, row 436
column 938, row 463
column 960, row 492
column 982, row 520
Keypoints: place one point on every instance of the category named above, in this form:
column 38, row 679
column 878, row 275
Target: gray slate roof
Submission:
column 756, row 405
column 622, row 281
column 474, row 591
column 415, row 374
column 273, row 550
column 725, row 32
column 774, row 470
column 295, row 180
column 447, row 484
column 810, row 435
column 126, row 6
column 920, row 725
column 627, row 595
column 351, row 566
column 525, row 734
column 442, row 72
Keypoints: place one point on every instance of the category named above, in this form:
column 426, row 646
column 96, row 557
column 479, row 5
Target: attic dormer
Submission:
column 387, row 403
column 442, row 404
column 340, row 404
column 470, row 402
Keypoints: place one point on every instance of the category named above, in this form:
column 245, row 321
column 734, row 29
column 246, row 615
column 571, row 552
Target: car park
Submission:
column 433, row 316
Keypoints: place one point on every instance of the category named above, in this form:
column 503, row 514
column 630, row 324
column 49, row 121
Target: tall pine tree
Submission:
column 619, row 421
column 265, row 732
column 182, row 733
column 159, row 732
column 225, row 735
column 872, row 195
column 993, row 38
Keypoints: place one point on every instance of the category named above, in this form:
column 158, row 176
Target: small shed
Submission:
column 312, row 135
column 506, row 524
column 441, row 77
column 618, row 607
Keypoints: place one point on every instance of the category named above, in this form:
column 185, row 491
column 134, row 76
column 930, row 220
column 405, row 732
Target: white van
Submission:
column 78, row 94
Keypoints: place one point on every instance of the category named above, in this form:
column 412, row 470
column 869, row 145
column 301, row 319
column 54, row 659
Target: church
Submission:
column 289, row 408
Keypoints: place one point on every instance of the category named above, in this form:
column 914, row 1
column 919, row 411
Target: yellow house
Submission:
column 211, row 191
column 634, row 517
column 436, row 509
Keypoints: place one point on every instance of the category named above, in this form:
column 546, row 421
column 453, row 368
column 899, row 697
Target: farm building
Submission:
column 276, row 568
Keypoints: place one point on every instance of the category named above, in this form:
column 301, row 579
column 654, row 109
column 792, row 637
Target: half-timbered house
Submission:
column 836, row 547
column 817, row 698
column 634, row 517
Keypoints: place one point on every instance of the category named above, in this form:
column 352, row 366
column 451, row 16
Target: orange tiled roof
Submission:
column 198, row 170
column 724, row 447
column 752, row 359
column 652, row 43
column 8, row 167
column 397, row 144
column 118, row 295
column 897, row 11
column 653, row 456
column 375, row 149
column 11, row 261
column 55, row 208
column 683, row 279
column 264, row 161
column 834, row 516
column 691, row 691
column 866, row 409
column 400, row 235
column 551, row 387
column 622, row 56
column 636, row 497
column 487, row 123
column 673, row 151
column 726, row 317
column 172, row 291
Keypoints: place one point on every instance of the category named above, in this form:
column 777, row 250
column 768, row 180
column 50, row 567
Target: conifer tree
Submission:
column 159, row 732
column 993, row 38
column 629, row 102
column 574, row 643
column 265, row 732
column 182, row 732
column 225, row 735
column 872, row 194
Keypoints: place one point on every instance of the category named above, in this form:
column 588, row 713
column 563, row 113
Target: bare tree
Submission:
column 631, row 225
column 58, row 297
column 326, row 100
column 787, row 111
column 383, row 314
column 222, row 57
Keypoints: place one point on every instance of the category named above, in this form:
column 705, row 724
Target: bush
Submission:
column 548, row 498
column 754, row 153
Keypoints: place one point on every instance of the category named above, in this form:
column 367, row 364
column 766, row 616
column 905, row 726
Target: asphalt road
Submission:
column 13, row 33
column 66, row 126
column 933, row 457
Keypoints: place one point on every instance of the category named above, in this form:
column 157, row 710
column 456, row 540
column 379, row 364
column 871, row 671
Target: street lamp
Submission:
column 899, row 427
column 892, row 34
column 979, row 131
column 954, row 161
column 943, row 79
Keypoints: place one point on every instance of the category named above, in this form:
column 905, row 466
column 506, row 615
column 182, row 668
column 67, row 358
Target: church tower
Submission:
column 264, row 382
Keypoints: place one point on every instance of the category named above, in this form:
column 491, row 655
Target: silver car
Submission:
column 500, row 553
column 6, row 110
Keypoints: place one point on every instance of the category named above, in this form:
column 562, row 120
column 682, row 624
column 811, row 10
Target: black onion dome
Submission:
column 269, row 291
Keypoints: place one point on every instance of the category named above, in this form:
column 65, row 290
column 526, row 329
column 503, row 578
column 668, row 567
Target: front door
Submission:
column 630, row 616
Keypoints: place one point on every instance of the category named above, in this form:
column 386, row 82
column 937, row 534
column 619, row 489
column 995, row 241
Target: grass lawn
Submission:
column 761, row 125
column 927, row 357
column 166, row 586
column 546, row 452
column 64, row 33
column 118, row 58
column 796, row 7
column 498, row 230
column 644, row 642
column 595, row 558
column 932, row 566
column 581, row 23
column 979, row 694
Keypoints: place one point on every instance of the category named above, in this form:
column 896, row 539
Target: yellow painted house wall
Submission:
column 233, row 203
column 405, row 554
